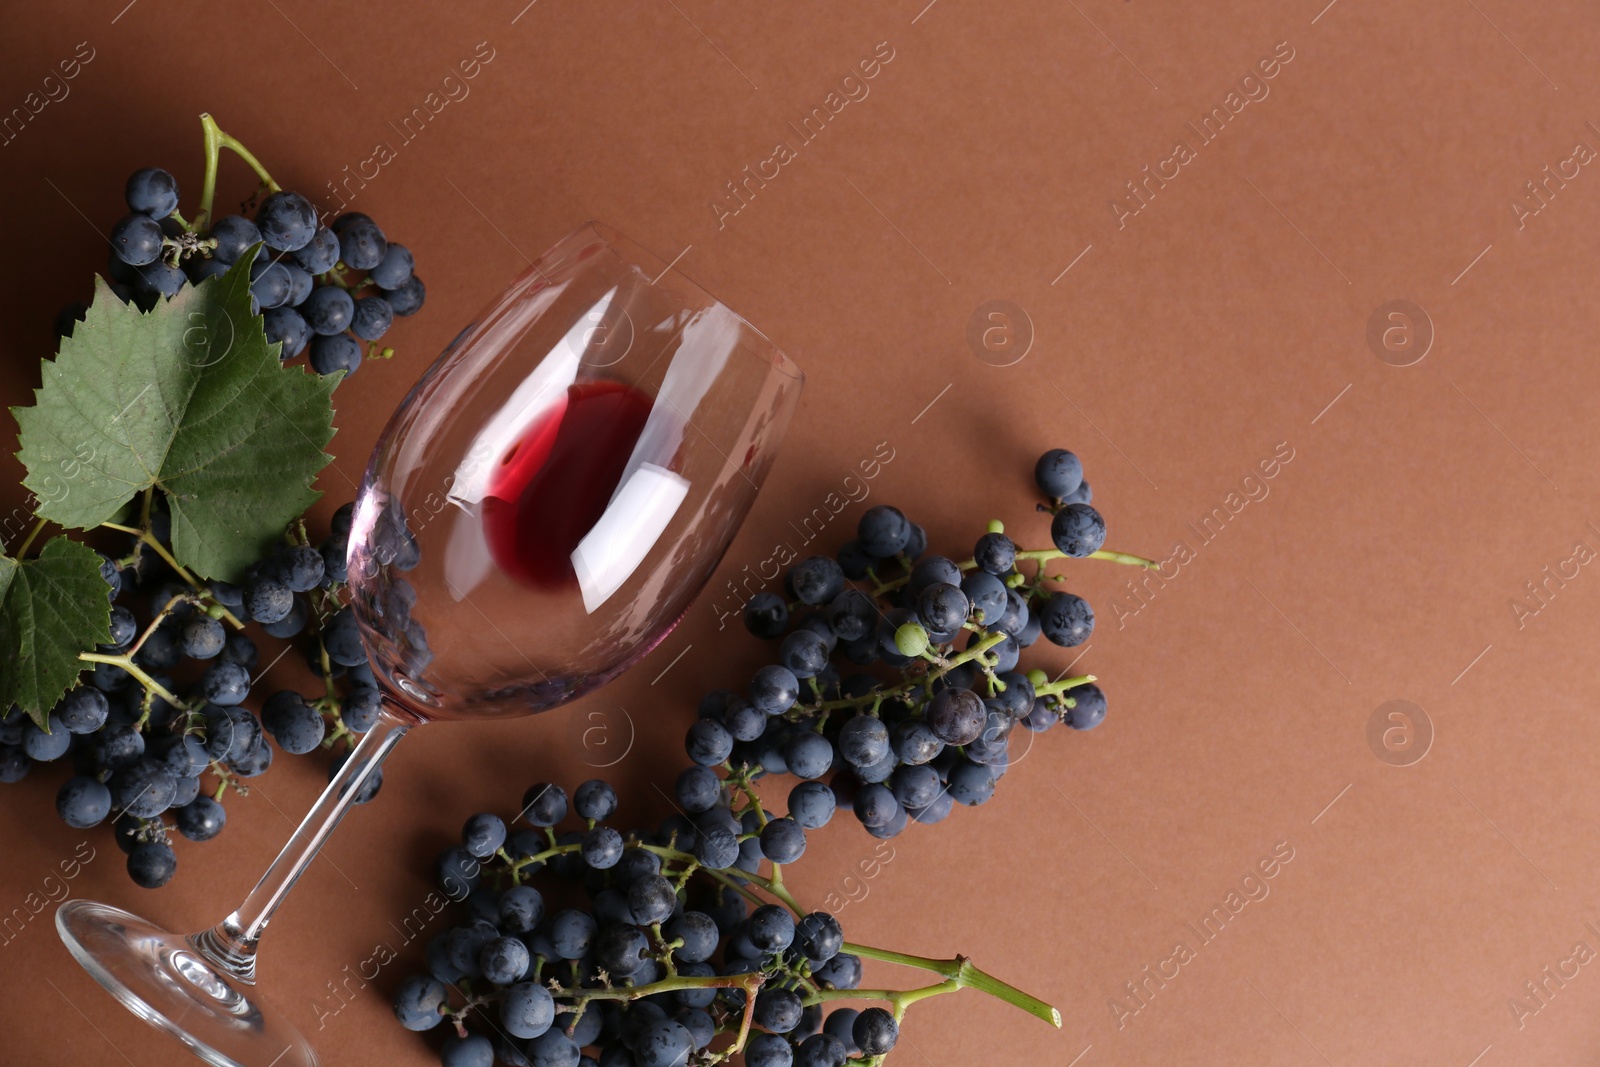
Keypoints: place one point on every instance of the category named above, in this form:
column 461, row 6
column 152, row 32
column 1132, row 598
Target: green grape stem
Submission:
column 1039, row 555
column 215, row 141
column 144, row 534
column 958, row 973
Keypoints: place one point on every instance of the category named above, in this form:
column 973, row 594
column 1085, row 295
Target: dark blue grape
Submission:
column 1058, row 473
column 841, row 972
column 811, row 805
column 698, row 789
column 471, row 1050
column 553, row 1049
column 201, row 819
column 318, row 255
column 766, row 616
column 816, row 580
column 328, row 310
column 804, row 653
column 652, row 899
column 161, row 278
column 768, row 1050
column 913, row 741
column 1016, row 616
column 716, row 848
column 820, row 1050
column 83, row 710
column 287, row 221
column 300, row 284
column 854, row 561
column 943, row 608
column 602, row 848
column 225, row 683
column 1066, row 619
column 369, row 787
column 987, row 595
column 201, row 637
column 117, row 745
column 340, row 352
column 371, row 318
column 783, row 840
column 1083, row 495
column 420, row 1002
column 394, row 269
column 778, row 1010
column 151, row 864
column 268, row 600
column 594, row 799
column 883, row 531
column 46, row 745
column 743, row 721
column 234, row 235
column 774, row 689
column 544, row 804
column 408, row 299
column 83, row 802
column 483, row 834
column 771, row 928
column 298, row 728
column 708, row 742
column 136, row 240
column 971, row 783
column 1088, row 709
column 300, row 567
column 270, row 283
column 152, row 191
column 851, row 615
column 572, row 932
column 285, row 326
column 361, row 244
column 875, row 1032
column 503, row 960
column 995, row 553
column 916, row 785
column 875, row 804
column 863, row 741
column 808, row 755
column 818, row 937
column 186, row 756
column 956, row 716
column 1078, row 530
column 698, row 932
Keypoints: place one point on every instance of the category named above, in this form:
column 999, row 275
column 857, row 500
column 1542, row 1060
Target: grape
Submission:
column 808, row 755
column 816, row 580
column 804, row 653
column 328, row 310
column 43, row 745
column 320, row 254
column 987, row 595
column 225, row 683
column 201, row 819
column 201, row 637
column 774, row 689
column 698, row 789
column 234, row 235
column 697, row 930
column 1083, row 495
column 1066, row 620
column 811, row 805
column 136, row 240
column 771, row 928
column 185, row 756
column 915, row 785
column 544, row 804
column 708, row 742
column 151, row 864
column 602, row 847
column 1089, row 707
column 14, row 763
column 420, row 1002
column 160, row 278
column 287, row 220
column 83, row 710
column 843, row 971
column 369, row 788
column 767, row 1050
column 663, row 1043
column 267, row 600
column 956, row 716
column 334, row 566
column 995, row 554
column 1058, row 473
column 198, row 269
column 818, row 937
column 371, row 318
column 971, row 783
column 285, row 326
column 408, row 299
column 914, row 741
column 783, row 840
column 521, row 909
column 1078, row 530
column 652, row 899
column 361, row 244
column 394, row 270
column 717, row 848
column 473, row 1050
column 594, row 799
column 187, row 790
column 83, row 802
column 553, row 1049
column 298, row 728
column 943, row 608
column 270, row 283
column 117, row 745
column 300, row 284
column 765, row 615
column 340, row 352
column 883, row 531
column 503, row 960
column 152, row 191
column 124, row 628
column 572, row 932
column 820, row 1050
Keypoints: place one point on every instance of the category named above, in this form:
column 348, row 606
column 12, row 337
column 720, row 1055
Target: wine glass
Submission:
column 537, row 515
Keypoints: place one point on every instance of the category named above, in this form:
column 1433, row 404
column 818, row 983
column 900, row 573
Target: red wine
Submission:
column 550, row 487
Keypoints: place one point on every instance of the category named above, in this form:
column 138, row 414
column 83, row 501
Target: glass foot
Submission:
column 162, row 978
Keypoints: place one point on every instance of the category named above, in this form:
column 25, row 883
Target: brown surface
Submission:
column 1176, row 354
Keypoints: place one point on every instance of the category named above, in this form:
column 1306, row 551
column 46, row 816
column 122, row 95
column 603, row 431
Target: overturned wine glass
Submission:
column 537, row 515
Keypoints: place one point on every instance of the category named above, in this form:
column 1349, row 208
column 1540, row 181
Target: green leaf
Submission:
column 188, row 397
column 55, row 606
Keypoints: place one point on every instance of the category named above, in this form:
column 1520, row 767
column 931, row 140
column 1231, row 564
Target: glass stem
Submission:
column 231, row 944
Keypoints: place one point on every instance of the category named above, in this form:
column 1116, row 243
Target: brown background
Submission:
column 1175, row 354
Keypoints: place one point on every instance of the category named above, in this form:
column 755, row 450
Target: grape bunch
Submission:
column 334, row 289
column 671, row 957
column 156, row 763
column 931, row 727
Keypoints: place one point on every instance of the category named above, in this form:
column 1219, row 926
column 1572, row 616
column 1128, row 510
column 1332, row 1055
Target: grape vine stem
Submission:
column 958, row 973
column 161, row 550
column 215, row 141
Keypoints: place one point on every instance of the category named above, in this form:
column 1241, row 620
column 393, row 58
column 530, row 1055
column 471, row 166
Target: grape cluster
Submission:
column 140, row 752
column 333, row 289
column 665, row 956
column 933, row 730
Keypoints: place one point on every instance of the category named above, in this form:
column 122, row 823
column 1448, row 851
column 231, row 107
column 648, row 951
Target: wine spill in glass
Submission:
column 538, row 514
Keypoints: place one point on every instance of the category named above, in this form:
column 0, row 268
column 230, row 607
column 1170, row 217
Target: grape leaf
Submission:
column 188, row 397
column 55, row 606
